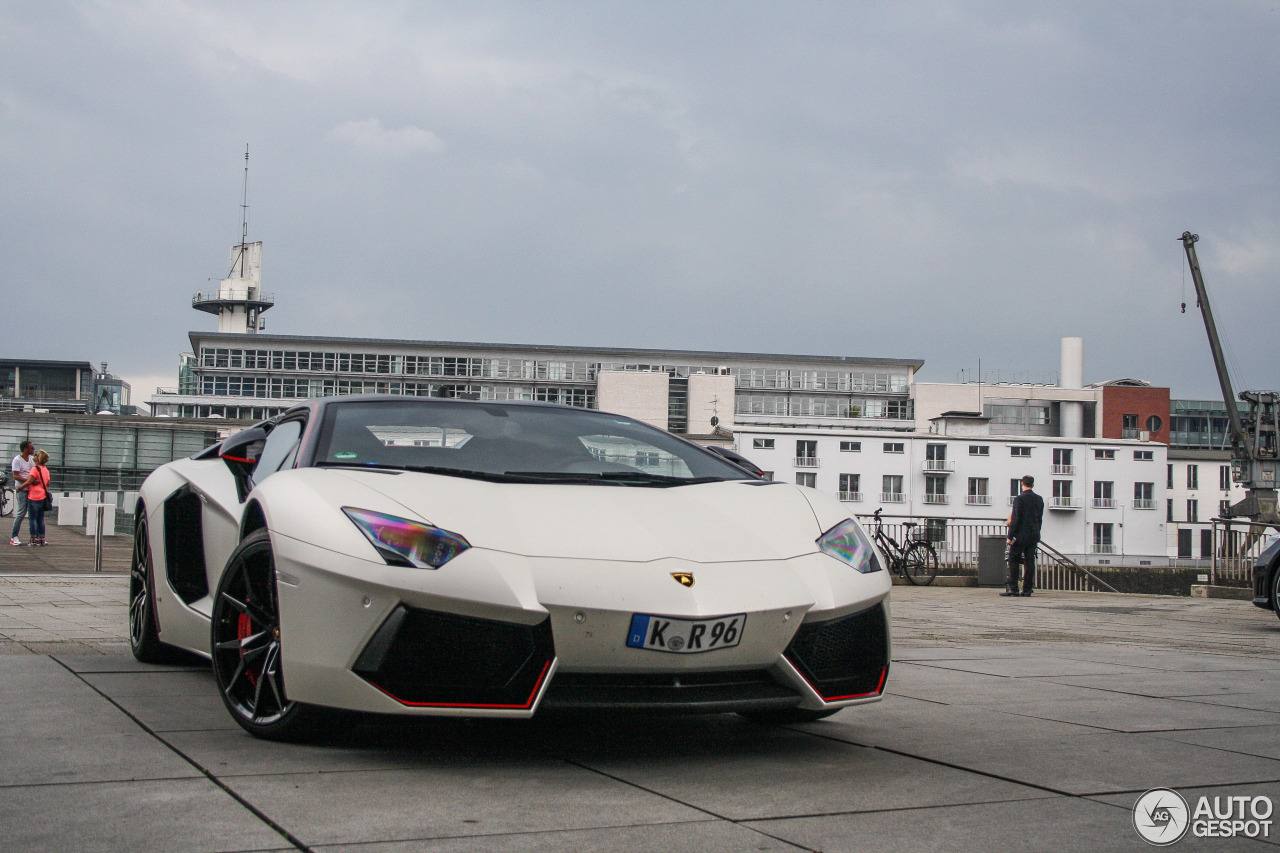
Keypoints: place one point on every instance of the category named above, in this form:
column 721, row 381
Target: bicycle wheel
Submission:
column 6, row 502
column 920, row 563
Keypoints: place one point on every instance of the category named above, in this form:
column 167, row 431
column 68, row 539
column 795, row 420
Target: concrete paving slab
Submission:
column 122, row 663
column 1249, row 740
column 139, row 816
column 739, row 771
column 1254, row 701
column 1060, row 824
column 1123, row 712
column 1023, row 667
column 1174, row 684
column 956, row 687
column 167, row 683
column 1042, row 754
column 703, row 837
column 451, row 801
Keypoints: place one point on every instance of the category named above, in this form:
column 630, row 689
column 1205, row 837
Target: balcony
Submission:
column 979, row 500
column 938, row 466
column 1103, row 548
column 1064, row 469
column 892, row 498
column 1104, row 503
column 806, row 462
column 852, row 497
column 1065, row 503
column 1143, row 503
column 936, row 499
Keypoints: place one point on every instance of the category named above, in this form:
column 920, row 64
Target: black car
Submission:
column 1266, row 577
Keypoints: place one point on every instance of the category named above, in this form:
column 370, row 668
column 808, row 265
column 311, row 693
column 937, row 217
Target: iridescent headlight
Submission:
column 402, row 542
column 847, row 543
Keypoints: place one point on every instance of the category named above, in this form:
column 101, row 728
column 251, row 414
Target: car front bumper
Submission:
column 497, row 634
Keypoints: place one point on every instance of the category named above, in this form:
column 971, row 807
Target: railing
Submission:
column 1064, row 469
column 1059, row 572
column 978, row 500
column 806, row 462
column 936, row 499
column 892, row 497
column 1104, row 503
column 939, row 466
column 1144, row 503
column 1130, row 432
column 207, row 297
column 1236, row 546
column 1104, row 548
column 853, row 497
column 1065, row 503
column 958, row 554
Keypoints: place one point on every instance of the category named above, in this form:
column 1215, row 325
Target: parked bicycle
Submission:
column 6, row 496
column 914, row 559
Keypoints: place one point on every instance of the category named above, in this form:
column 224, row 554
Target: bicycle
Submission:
column 6, row 496
column 916, row 560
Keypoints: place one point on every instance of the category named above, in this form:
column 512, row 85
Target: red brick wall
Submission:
column 1118, row 401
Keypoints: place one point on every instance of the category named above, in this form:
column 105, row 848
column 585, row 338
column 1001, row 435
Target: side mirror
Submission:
column 240, row 452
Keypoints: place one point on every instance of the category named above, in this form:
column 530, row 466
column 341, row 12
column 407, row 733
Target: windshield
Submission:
column 511, row 442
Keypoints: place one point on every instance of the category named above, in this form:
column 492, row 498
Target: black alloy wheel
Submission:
column 246, row 646
column 144, row 632
column 1275, row 589
column 920, row 564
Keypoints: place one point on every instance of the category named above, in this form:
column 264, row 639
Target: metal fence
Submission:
column 957, row 546
column 1236, row 546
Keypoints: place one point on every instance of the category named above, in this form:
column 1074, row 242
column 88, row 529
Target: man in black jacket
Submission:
column 1024, row 537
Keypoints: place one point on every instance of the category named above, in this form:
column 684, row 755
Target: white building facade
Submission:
column 1104, row 499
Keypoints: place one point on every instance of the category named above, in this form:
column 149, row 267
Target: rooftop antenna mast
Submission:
column 244, row 216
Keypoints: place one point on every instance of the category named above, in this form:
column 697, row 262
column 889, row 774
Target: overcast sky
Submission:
column 952, row 182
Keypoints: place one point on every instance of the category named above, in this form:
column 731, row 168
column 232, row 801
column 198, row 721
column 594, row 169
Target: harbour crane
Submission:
column 1255, row 428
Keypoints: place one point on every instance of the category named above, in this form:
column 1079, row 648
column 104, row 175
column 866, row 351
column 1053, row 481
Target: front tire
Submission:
column 1275, row 590
column 920, row 564
column 246, row 647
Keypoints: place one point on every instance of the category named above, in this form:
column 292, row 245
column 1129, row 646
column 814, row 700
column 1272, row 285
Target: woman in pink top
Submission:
column 37, row 489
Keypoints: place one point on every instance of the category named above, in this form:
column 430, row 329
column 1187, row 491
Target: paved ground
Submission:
column 1025, row 724
column 69, row 551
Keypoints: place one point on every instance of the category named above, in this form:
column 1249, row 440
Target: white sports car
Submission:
column 431, row 556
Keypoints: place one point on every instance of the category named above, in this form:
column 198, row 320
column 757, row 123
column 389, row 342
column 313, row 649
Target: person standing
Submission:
column 37, row 490
column 20, row 468
column 1024, row 538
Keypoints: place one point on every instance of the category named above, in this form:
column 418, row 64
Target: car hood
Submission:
column 706, row 522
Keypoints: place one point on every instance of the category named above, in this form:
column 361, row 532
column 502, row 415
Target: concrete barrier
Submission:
column 108, row 520
column 71, row 511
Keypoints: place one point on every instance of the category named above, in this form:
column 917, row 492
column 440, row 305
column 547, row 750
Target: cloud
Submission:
column 371, row 135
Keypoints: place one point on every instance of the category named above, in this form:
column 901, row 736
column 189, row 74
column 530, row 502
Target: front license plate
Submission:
column 685, row 636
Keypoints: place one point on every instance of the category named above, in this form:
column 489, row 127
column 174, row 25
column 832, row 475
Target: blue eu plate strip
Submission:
column 639, row 631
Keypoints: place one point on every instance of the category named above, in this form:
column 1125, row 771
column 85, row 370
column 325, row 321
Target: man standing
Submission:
column 1024, row 537
column 20, row 468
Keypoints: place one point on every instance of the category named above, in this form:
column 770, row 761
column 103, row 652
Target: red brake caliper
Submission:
column 244, row 628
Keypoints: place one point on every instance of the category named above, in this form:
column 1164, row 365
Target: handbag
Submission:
column 47, row 503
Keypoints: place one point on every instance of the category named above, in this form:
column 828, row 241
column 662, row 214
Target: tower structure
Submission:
column 239, row 301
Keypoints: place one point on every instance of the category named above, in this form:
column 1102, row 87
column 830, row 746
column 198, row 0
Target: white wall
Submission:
column 710, row 394
column 642, row 396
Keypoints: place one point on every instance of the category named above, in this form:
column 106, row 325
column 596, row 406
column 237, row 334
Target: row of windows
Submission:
column 823, row 407
column 297, row 389
column 1193, row 511
column 979, row 489
column 1193, row 477
column 518, row 368
column 1062, row 457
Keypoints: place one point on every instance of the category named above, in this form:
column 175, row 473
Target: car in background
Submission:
column 429, row 556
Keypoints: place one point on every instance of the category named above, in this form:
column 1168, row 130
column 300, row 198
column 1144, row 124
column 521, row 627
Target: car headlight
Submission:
column 848, row 544
column 402, row 542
